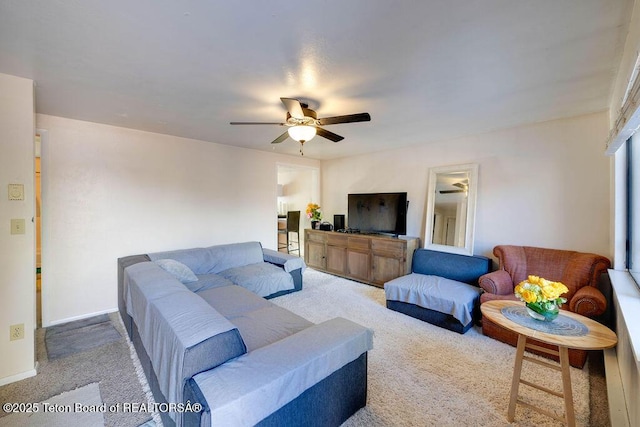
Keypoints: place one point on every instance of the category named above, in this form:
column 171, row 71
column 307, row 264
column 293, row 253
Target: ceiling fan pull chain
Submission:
column 301, row 147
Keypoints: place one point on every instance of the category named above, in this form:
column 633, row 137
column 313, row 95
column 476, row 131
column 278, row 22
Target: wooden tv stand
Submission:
column 369, row 258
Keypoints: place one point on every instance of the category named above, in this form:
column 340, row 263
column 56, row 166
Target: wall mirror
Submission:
column 451, row 206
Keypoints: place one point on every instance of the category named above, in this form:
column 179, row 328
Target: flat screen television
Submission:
column 378, row 213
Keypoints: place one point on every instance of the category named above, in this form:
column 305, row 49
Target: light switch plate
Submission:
column 17, row 226
column 16, row 192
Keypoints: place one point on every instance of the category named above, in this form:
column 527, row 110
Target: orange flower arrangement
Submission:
column 313, row 212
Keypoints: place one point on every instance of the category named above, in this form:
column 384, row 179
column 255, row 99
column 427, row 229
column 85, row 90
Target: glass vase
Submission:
column 545, row 312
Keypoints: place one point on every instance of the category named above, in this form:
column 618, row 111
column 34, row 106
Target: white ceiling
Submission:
column 426, row 70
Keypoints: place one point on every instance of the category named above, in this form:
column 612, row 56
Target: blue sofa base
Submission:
column 344, row 391
column 437, row 318
column 145, row 362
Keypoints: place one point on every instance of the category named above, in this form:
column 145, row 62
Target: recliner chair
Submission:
column 579, row 271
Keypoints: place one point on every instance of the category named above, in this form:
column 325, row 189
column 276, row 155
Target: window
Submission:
column 633, row 208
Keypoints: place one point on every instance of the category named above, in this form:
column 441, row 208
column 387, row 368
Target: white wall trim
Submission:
column 628, row 298
column 83, row 316
column 18, row 377
column 618, row 415
column 623, row 366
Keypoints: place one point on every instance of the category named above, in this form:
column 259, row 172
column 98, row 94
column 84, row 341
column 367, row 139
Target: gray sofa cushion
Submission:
column 180, row 272
column 233, row 255
column 268, row 325
column 208, row 281
column 215, row 259
column 259, row 321
column 261, row 278
column 232, row 301
column 193, row 258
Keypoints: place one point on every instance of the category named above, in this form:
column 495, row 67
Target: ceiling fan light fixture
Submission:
column 302, row 133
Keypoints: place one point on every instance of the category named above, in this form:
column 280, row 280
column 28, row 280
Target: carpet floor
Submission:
column 423, row 375
column 87, row 396
column 80, row 335
column 110, row 365
column 418, row 374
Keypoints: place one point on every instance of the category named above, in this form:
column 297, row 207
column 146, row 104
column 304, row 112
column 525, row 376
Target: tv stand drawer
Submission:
column 371, row 259
column 359, row 243
column 335, row 239
column 390, row 248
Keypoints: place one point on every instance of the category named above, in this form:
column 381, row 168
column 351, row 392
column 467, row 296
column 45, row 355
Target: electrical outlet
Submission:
column 16, row 332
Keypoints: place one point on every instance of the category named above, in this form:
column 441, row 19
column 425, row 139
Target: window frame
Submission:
column 632, row 190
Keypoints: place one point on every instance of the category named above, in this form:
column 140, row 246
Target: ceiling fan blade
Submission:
column 349, row 118
column 451, row 191
column 258, row 123
column 329, row 135
column 293, row 107
column 281, row 138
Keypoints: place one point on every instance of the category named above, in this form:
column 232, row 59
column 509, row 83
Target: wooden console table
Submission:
column 581, row 332
column 373, row 259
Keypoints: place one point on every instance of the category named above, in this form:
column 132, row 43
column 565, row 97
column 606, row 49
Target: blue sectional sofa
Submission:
column 217, row 340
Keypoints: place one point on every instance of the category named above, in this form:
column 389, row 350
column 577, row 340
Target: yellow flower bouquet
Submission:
column 313, row 212
column 541, row 297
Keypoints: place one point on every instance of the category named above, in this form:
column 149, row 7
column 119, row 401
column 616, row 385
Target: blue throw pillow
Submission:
column 180, row 272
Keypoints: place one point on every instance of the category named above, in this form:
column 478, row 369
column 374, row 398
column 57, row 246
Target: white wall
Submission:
column 109, row 192
column 17, row 275
column 544, row 184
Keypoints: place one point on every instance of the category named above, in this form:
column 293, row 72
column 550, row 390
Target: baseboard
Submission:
column 82, row 316
column 18, row 377
column 618, row 415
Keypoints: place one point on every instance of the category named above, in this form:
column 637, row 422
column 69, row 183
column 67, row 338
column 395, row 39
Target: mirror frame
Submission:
column 472, row 170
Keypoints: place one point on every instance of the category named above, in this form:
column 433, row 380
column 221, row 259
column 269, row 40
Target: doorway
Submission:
column 297, row 187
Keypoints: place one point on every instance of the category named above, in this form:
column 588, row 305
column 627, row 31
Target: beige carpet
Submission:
column 80, row 407
column 112, row 366
column 423, row 375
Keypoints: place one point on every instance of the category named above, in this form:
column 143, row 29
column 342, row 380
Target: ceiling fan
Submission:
column 304, row 123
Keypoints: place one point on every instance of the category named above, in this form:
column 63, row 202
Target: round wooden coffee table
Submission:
column 571, row 331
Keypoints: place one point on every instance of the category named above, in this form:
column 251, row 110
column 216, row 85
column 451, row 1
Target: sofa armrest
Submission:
column 286, row 261
column 588, row 301
column 497, row 282
column 268, row 378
